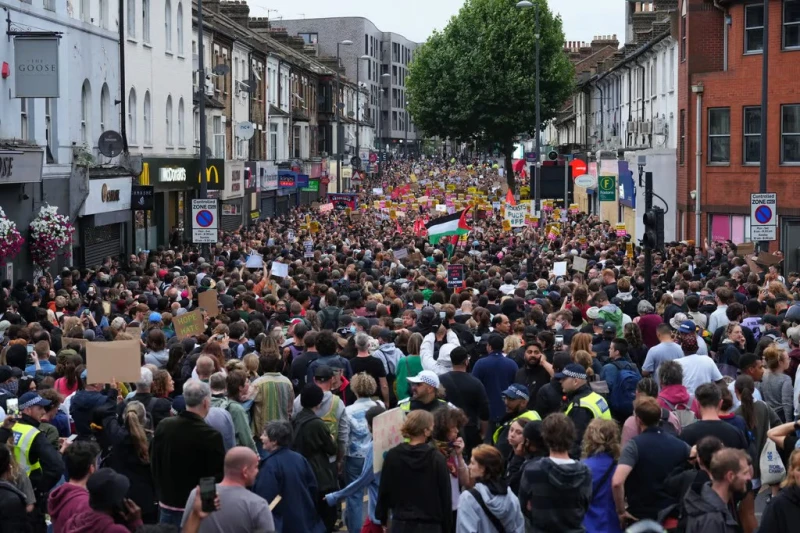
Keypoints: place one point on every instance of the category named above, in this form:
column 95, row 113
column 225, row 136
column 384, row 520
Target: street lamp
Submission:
column 346, row 42
column 358, row 102
column 525, row 4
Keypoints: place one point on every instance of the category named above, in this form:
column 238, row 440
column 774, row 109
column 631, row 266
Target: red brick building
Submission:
column 721, row 51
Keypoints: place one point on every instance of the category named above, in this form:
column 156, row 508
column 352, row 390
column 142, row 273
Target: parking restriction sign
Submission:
column 763, row 216
column 204, row 221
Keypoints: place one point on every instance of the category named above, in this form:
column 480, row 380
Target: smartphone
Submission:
column 72, row 438
column 559, row 342
column 12, row 406
column 441, row 314
column 208, row 493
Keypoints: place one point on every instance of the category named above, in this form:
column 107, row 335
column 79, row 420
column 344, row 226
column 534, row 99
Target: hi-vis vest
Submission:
column 527, row 415
column 23, row 440
column 594, row 403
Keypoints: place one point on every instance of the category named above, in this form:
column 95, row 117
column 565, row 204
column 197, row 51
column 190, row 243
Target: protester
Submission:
column 109, row 510
column 730, row 472
column 72, row 498
column 601, row 452
column 467, row 393
column 783, row 512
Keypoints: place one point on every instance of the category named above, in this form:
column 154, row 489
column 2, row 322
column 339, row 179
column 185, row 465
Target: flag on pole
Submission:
column 510, row 200
column 455, row 224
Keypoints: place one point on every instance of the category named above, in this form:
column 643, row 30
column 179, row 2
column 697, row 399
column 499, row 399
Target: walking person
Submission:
column 601, row 452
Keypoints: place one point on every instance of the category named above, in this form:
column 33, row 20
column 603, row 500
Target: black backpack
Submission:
column 330, row 319
column 664, row 423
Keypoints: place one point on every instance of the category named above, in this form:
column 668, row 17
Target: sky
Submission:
column 416, row 19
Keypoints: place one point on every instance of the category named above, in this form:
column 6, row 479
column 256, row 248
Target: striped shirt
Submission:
column 273, row 400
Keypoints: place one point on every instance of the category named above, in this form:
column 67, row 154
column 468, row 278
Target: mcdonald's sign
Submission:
column 182, row 173
column 144, row 177
column 212, row 176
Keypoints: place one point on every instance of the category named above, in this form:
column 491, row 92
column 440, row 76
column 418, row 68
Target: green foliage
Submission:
column 476, row 79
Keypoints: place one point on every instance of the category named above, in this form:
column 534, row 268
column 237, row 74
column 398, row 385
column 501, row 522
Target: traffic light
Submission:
column 653, row 229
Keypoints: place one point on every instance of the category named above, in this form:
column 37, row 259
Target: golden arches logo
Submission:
column 209, row 170
column 144, row 177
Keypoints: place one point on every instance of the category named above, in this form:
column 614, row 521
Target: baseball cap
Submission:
column 517, row 391
column 687, row 326
column 29, row 399
column 609, row 327
column 772, row 320
column 385, row 334
column 107, row 489
column 427, row 377
column 572, row 370
column 794, row 334
column 599, row 323
column 5, row 373
column 793, row 313
column 323, row 373
column 155, row 317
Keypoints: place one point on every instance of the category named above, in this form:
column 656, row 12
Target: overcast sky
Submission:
column 416, row 19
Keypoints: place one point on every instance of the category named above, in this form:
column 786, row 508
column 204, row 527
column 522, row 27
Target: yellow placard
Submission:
column 450, row 186
column 472, row 190
column 413, row 178
column 314, row 227
column 629, row 250
column 347, row 211
column 393, row 214
column 506, row 225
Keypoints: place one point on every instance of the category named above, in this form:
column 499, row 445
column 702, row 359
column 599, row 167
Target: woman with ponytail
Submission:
column 129, row 455
column 758, row 418
column 67, row 363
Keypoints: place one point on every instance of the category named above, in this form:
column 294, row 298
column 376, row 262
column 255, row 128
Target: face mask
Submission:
column 353, row 330
column 558, row 326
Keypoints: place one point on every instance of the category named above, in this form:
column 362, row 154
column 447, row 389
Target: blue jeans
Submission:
column 354, row 513
column 168, row 516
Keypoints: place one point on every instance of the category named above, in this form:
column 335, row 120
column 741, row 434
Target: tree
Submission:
column 476, row 79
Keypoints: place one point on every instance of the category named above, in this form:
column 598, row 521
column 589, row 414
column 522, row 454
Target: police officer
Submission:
column 34, row 454
column 424, row 393
column 580, row 402
column 516, row 398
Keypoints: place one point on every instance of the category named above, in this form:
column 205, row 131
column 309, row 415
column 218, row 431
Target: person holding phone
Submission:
column 109, row 509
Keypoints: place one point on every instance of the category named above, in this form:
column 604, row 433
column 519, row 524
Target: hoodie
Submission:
column 500, row 501
column 630, row 304
column 160, row 359
column 707, row 513
column 91, row 521
column 612, row 313
column 83, row 405
column 65, row 502
column 783, row 514
column 415, row 486
column 677, row 395
column 558, row 494
column 389, row 354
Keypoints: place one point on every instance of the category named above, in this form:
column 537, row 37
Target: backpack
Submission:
column 623, row 391
column 664, row 423
column 330, row 319
column 684, row 415
column 330, row 418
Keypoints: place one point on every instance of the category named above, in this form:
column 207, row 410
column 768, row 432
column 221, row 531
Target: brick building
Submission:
column 720, row 62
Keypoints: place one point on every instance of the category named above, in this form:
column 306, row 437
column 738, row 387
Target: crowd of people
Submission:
column 531, row 401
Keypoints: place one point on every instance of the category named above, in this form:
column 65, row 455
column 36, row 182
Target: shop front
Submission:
column 176, row 182
column 232, row 196
column 252, row 190
column 104, row 218
column 287, row 191
column 268, row 178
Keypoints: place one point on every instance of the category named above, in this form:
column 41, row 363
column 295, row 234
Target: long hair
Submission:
column 745, row 386
column 633, row 334
column 666, row 301
column 135, row 417
column 581, row 341
column 601, row 436
column 794, row 464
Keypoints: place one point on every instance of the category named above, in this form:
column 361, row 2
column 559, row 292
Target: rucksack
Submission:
column 682, row 412
column 330, row 319
column 623, row 391
column 664, row 423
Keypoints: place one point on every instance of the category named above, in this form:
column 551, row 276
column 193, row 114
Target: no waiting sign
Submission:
column 763, row 216
column 204, row 221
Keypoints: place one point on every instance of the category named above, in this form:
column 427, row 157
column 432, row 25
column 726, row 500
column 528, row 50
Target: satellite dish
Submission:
column 221, row 69
column 249, row 85
column 111, row 143
column 245, row 130
column 351, row 114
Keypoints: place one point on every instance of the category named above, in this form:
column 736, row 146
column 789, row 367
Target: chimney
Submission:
column 259, row 23
column 236, row 10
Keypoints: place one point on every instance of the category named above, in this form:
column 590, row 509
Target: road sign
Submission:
column 530, row 157
column 608, row 188
column 204, row 221
column 763, row 216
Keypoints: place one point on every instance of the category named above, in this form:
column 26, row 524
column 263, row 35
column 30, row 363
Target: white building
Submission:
column 158, row 71
column 241, row 98
column 39, row 136
column 278, row 72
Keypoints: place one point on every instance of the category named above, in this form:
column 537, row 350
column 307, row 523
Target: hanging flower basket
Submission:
column 10, row 239
column 49, row 233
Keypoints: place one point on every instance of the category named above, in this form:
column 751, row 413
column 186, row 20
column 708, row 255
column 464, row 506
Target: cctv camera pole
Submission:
column 202, row 110
column 648, row 251
column 763, row 246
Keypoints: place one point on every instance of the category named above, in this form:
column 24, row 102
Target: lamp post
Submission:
column 358, row 103
column 346, row 42
column 524, row 4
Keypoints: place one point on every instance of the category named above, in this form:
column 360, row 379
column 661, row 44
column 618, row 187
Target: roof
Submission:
column 638, row 52
column 275, row 111
column 210, row 102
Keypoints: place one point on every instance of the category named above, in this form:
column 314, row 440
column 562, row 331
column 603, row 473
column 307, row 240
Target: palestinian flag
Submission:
column 455, row 224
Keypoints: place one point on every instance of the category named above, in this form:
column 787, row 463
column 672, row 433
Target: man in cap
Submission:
column 582, row 404
column 603, row 344
column 424, row 389
column 516, row 398
column 108, row 505
column 34, row 454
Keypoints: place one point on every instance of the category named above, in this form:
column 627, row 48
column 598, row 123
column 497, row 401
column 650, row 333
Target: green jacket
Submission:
column 241, row 422
column 407, row 367
column 312, row 440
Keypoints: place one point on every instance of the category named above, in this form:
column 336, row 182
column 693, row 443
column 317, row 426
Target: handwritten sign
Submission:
column 455, row 275
column 386, row 435
column 208, row 301
column 515, row 214
column 189, row 324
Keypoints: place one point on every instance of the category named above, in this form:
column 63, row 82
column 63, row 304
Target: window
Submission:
column 105, row 108
column 273, row 142
column 751, row 129
column 219, row 138
column 146, row 21
column 654, row 78
column 86, row 14
column 132, row 117
column 753, row 28
column 791, row 23
column 103, row 14
column 181, row 136
column 309, row 38
column 131, row 19
column 179, row 28
column 168, row 26
column 366, row 44
column 168, row 121
column 719, row 135
column 48, row 129
column 729, row 227
column 86, row 111
column 296, row 152
column 24, row 126
column 671, row 69
column 49, row 5
column 683, row 38
column 147, row 117
column 790, row 133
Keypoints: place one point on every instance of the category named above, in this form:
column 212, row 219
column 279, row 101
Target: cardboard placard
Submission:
column 754, row 268
column 579, row 264
column 768, row 260
column 745, row 248
column 66, row 341
column 386, row 435
column 134, row 332
column 560, row 268
column 280, row 270
column 189, row 324
column 110, row 361
column 208, row 301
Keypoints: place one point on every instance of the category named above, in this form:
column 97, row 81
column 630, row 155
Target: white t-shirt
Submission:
column 697, row 370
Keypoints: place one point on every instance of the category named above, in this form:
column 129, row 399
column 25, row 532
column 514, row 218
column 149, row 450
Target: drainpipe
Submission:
column 698, row 90
column 602, row 101
column 726, row 22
